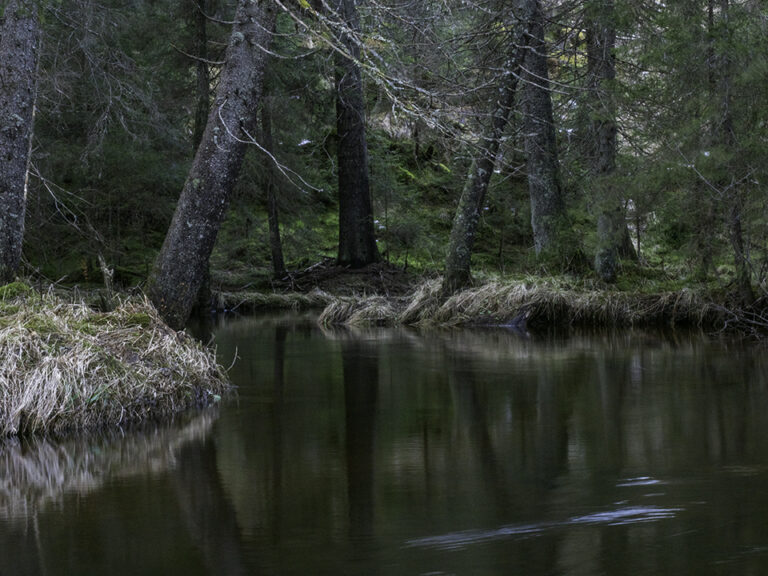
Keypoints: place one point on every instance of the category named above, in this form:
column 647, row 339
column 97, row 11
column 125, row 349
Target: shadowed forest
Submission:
column 190, row 146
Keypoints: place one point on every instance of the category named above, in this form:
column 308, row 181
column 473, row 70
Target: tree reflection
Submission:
column 208, row 513
column 64, row 508
column 278, row 399
column 361, row 380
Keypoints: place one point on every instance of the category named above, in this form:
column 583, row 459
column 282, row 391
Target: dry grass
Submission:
column 65, row 367
column 534, row 301
column 359, row 312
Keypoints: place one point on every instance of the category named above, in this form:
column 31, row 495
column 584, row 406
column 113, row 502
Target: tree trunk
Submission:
column 270, row 177
column 548, row 217
column 458, row 262
column 357, row 241
column 627, row 249
column 202, row 76
column 611, row 227
column 733, row 192
column 19, row 52
column 459, row 257
column 178, row 271
column 202, row 306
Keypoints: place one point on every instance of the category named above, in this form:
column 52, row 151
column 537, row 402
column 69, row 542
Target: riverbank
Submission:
column 385, row 295
column 65, row 366
column 542, row 303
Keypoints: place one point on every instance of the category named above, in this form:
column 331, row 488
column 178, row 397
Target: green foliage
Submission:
column 113, row 139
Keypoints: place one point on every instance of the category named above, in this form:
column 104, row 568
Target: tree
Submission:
column 548, row 216
column 178, row 272
column 198, row 22
column 725, row 134
column 19, row 51
column 357, row 241
column 458, row 261
column 270, row 180
column 707, row 130
column 601, row 72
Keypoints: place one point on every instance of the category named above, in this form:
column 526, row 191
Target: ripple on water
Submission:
column 640, row 481
column 618, row 517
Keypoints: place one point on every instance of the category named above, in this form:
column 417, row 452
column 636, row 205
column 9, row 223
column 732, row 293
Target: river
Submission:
column 394, row 451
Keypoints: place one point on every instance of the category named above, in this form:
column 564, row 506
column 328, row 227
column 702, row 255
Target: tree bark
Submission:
column 611, row 227
column 270, row 177
column 357, row 241
column 548, row 217
column 178, row 271
column 459, row 257
column 19, row 53
column 202, row 75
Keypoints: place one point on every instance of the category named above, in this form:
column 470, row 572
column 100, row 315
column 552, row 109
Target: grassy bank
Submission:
column 64, row 366
column 532, row 302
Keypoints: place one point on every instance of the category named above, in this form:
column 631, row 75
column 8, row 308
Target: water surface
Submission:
column 398, row 452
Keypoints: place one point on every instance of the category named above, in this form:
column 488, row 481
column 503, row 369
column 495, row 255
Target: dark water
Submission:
column 405, row 453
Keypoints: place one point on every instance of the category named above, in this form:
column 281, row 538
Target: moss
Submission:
column 40, row 324
column 7, row 309
column 14, row 290
column 139, row 319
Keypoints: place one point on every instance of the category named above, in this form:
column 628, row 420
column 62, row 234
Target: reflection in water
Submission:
column 398, row 452
column 43, row 483
column 278, row 379
column 35, row 474
column 210, row 518
column 361, row 381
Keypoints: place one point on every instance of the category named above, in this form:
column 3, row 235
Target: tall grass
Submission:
column 64, row 366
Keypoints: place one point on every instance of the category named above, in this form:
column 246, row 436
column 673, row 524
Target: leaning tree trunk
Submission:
column 459, row 257
column 548, row 217
column 179, row 269
column 19, row 52
column 611, row 227
column 357, row 241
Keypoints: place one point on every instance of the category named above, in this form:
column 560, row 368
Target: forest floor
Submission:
column 381, row 278
column 315, row 286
